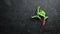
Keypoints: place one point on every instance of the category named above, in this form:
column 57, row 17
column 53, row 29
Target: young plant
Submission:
column 40, row 14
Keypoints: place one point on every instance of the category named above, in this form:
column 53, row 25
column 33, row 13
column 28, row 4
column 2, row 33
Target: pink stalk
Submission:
column 43, row 22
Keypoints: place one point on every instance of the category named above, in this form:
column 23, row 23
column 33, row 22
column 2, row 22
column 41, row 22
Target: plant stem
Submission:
column 43, row 22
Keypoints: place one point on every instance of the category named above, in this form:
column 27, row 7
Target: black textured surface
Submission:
column 15, row 17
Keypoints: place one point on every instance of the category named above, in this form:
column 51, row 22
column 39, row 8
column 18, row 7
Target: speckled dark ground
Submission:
column 15, row 17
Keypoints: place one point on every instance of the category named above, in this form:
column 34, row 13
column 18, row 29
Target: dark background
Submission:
column 15, row 17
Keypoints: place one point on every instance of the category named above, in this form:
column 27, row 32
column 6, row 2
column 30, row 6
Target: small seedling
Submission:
column 40, row 14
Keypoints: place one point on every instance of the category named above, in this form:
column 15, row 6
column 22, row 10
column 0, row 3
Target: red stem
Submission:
column 43, row 22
